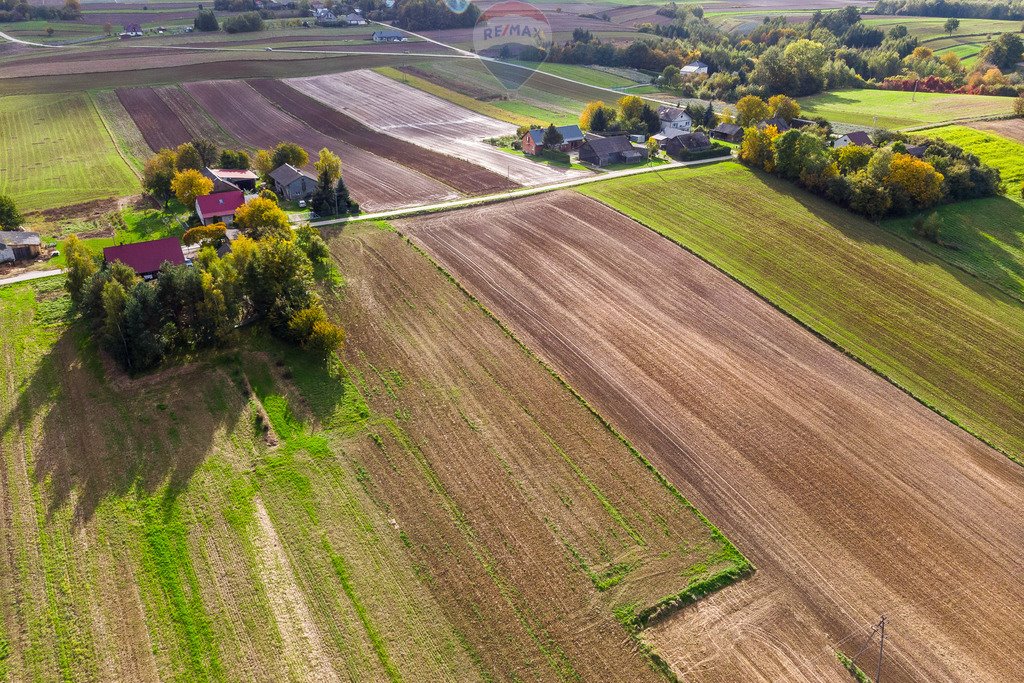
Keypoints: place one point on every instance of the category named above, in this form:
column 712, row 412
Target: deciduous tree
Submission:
column 81, row 265
column 187, row 156
column 158, row 174
column 784, row 107
column 329, row 163
column 10, row 217
column 189, row 184
column 261, row 218
column 750, row 110
column 289, row 153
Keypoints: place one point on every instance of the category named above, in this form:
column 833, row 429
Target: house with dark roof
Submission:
column 917, row 150
column 219, row 207
column 686, row 143
column 389, row 37
column 132, row 30
column 292, row 183
column 857, row 137
column 354, row 19
column 572, row 138
column 614, row 150
column 674, row 120
column 730, row 132
column 17, row 245
column 231, row 179
column 780, row 124
column 146, row 258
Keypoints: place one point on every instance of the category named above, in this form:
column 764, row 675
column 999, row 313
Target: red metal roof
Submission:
column 219, row 204
column 146, row 257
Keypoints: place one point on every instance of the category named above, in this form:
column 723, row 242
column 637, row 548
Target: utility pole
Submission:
column 881, row 649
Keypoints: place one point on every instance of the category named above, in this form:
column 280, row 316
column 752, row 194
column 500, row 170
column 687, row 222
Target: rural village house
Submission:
column 917, row 150
column 674, row 120
column 133, row 30
column 778, row 122
column 572, row 138
column 354, row 19
column 857, row 137
column 389, row 37
column 694, row 69
column 219, row 207
column 146, row 258
column 227, row 179
column 730, row 132
column 17, row 245
column 292, row 183
column 614, row 150
column 686, row 143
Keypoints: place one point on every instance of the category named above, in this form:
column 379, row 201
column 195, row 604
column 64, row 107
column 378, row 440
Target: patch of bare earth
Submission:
column 852, row 499
column 1010, row 128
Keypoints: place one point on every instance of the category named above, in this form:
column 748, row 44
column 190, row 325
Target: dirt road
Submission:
column 853, row 499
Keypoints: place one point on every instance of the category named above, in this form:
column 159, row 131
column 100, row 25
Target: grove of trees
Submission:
column 872, row 181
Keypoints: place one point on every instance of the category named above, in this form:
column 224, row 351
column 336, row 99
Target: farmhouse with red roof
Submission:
column 145, row 258
column 219, row 207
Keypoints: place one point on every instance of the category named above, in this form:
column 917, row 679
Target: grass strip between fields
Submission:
column 635, row 617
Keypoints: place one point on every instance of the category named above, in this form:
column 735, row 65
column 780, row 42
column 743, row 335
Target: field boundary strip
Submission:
column 668, row 604
column 834, row 344
column 113, row 138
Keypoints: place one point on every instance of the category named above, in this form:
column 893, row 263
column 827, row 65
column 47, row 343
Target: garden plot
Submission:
column 409, row 114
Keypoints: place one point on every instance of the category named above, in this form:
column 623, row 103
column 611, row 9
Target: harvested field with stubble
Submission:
column 852, row 498
column 375, row 183
column 427, row 121
column 462, row 175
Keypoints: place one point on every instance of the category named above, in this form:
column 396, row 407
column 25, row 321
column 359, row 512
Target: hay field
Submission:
column 893, row 109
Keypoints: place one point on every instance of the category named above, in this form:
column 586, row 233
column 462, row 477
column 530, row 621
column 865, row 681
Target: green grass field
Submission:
column 891, row 109
column 584, row 74
column 57, row 152
column 986, row 236
column 943, row 335
column 932, row 28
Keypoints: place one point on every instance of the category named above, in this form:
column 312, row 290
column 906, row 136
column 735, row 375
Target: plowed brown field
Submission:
column 425, row 120
column 1011, row 128
column 375, row 183
column 460, row 174
column 852, row 499
column 159, row 125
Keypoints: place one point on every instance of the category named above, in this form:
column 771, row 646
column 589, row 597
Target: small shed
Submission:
column 237, row 178
column 612, row 150
column 146, row 258
column 694, row 69
column 18, row 245
column 292, row 183
column 730, row 132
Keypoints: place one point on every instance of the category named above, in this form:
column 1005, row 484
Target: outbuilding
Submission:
column 686, row 143
column 694, row 69
column 389, row 37
column 219, row 207
column 292, row 183
column 18, row 245
column 146, row 258
column 238, row 179
column 730, row 132
column 613, row 150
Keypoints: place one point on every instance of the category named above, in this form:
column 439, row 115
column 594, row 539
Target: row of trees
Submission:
column 267, row 277
column 431, row 15
column 632, row 115
column 952, row 8
column 874, row 182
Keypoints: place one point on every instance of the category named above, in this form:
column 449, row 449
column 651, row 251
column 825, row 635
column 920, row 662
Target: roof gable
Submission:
column 859, row 137
column 19, row 238
column 220, row 203
column 610, row 145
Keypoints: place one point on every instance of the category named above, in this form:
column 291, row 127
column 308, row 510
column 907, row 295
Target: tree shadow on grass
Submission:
column 92, row 436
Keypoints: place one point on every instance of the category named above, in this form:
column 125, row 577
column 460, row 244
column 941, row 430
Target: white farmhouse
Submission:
column 674, row 120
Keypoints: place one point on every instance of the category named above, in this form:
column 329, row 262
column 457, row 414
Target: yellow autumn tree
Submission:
column 784, row 107
column 917, row 179
column 189, row 184
column 260, row 218
column 756, row 149
column 750, row 110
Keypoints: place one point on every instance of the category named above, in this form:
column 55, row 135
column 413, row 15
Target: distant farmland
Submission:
column 57, row 152
column 954, row 343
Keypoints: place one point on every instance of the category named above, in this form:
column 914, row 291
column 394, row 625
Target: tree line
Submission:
column 266, row 278
column 19, row 10
column 873, row 181
column 963, row 9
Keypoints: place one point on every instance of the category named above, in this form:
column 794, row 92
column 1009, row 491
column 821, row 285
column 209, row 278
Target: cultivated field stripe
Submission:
column 850, row 497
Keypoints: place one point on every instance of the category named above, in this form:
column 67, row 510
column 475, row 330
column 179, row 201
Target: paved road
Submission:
column 514, row 194
column 31, row 275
